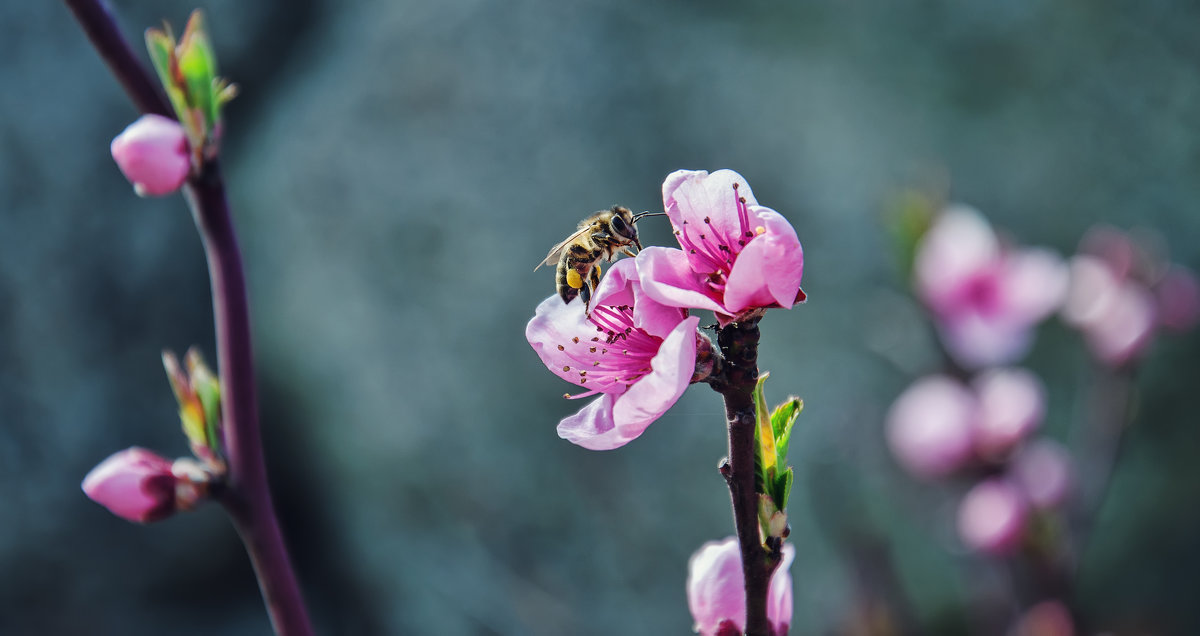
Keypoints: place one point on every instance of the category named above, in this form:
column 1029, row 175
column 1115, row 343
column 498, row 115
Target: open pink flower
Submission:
column 737, row 255
column 152, row 153
column 637, row 354
column 134, row 484
column 985, row 297
column 717, row 597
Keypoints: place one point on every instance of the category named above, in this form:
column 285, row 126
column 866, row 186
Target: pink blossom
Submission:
column 152, row 153
column 737, row 255
column 1047, row 618
column 636, row 354
column 1178, row 295
column 991, row 517
column 134, row 484
column 1117, row 315
column 1043, row 470
column 930, row 427
column 716, row 594
column 1012, row 403
column 985, row 297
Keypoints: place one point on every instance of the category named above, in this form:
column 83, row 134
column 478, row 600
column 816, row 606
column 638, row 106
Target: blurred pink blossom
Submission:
column 1043, row 470
column 717, row 596
column 1122, row 290
column 1116, row 315
column 1012, row 403
column 1048, row 618
column 737, row 255
column 152, row 153
column 134, row 484
column 985, row 297
column 1178, row 295
column 930, row 427
column 637, row 354
column 991, row 517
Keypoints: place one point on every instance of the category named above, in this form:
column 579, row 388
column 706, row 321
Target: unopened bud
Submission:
column 134, row 484
column 153, row 154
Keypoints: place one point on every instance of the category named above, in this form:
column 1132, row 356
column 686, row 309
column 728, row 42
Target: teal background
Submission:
column 396, row 171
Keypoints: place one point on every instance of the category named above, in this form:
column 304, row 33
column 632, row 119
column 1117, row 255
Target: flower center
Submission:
column 713, row 249
column 617, row 356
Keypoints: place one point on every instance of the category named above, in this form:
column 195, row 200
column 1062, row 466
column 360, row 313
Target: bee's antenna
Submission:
column 646, row 214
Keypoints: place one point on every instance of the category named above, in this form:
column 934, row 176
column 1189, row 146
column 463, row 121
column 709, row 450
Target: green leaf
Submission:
column 782, row 419
column 198, row 66
column 783, row 488
column 764, row 436
column 161, row 46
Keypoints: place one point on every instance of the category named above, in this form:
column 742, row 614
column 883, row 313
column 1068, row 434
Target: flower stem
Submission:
column 246, row 496
column 738, row 372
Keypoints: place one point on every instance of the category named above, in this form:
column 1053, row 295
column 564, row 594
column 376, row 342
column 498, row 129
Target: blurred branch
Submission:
column 247, row 498
column 101, row 28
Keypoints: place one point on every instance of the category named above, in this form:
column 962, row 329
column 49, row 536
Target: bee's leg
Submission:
column 586, row 292
column 627, row 252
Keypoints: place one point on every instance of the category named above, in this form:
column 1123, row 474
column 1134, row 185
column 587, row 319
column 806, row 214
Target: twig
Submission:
column 738, row 372
column 247, row 497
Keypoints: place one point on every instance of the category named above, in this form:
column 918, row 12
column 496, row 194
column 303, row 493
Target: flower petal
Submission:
column 700, row 199
column 621, row 286
column 767, row 272
column 960, row 244
column 554, row 323
column 976, row 342
column 654, row 393
column 592, row 427
column 1034, row 284
column 667, row 277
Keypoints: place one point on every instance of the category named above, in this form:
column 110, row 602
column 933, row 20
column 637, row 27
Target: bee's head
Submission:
column 623, row 224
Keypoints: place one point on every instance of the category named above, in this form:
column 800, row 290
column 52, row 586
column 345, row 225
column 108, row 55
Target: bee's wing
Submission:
column 556, row 251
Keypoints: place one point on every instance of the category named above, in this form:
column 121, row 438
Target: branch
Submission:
column 735, row 382
column 247, row 498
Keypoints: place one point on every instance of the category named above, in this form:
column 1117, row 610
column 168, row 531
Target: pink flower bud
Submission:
column 153, row 154
column 1012, row 403
column 929, row 427
column 716, row 594
column 1043, row 469
column 991, row 518
column 134, row 484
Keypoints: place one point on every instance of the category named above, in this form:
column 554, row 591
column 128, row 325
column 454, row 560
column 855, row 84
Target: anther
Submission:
column 707, row 220
column 591, row 350
column 575, row 339
column 561, row 348
column 566, row 368
column 742, row 199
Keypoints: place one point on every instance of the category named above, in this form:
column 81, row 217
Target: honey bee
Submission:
column 604, row 234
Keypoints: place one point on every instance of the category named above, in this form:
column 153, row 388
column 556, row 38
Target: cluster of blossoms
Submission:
column 637, row 349
column 940, row 427
column 986, row 297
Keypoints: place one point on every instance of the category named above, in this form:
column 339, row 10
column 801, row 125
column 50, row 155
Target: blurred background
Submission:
column 396, row 170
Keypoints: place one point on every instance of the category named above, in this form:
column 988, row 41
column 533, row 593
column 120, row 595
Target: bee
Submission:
column 604, row 234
